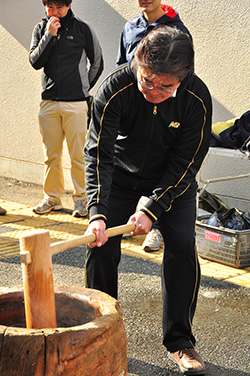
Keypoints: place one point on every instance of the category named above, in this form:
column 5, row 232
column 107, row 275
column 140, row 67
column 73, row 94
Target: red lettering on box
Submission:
column 213, row 236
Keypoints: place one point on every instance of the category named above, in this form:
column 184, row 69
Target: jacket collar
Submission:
column 65, row 20
column 169, row 17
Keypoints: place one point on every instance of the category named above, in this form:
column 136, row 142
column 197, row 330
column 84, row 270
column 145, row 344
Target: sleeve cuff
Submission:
column 152, row 209
column 97, row 212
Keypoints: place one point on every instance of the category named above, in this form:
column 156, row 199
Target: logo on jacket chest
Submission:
column 174, row 124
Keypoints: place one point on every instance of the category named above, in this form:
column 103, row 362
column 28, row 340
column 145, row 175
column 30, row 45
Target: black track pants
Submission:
column 180, row 268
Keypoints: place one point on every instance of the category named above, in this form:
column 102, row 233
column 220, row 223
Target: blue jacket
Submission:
column 138, row 27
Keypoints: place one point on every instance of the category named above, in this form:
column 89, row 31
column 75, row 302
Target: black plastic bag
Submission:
column 246, row 217
column 235, row 220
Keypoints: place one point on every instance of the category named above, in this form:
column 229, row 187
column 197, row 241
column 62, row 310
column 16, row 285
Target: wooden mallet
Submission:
column 36, row 258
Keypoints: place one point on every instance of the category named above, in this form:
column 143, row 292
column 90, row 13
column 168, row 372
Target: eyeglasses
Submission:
column 159, row 88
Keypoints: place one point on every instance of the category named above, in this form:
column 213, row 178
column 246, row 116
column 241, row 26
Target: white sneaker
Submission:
column 152, row 241
column 80, row 209
column 45, row 206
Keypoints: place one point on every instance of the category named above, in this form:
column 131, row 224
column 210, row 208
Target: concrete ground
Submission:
column 222, row 320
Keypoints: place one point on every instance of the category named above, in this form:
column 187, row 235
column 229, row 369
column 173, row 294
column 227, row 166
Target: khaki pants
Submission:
column 60, row 120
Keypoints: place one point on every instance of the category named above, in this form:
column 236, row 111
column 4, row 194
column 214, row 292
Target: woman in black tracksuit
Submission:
column 148, row 136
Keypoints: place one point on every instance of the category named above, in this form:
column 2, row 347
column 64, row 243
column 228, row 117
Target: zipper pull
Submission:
column 155, row 110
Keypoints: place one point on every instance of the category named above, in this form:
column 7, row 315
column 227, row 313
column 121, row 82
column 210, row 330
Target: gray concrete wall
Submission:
column 221, row 37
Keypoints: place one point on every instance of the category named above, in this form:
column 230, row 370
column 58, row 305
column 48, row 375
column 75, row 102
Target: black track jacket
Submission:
column 159, row 146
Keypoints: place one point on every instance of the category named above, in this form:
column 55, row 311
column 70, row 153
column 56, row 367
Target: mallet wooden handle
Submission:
column 80, row 240
column 85, row 239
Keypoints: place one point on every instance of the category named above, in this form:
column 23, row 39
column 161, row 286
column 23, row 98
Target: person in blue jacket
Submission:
column 153, row 13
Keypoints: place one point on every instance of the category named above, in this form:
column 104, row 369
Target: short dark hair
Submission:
column 166, row 50
column 58, row 2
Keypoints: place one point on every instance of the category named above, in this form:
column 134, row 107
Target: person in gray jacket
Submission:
column 71, row 57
